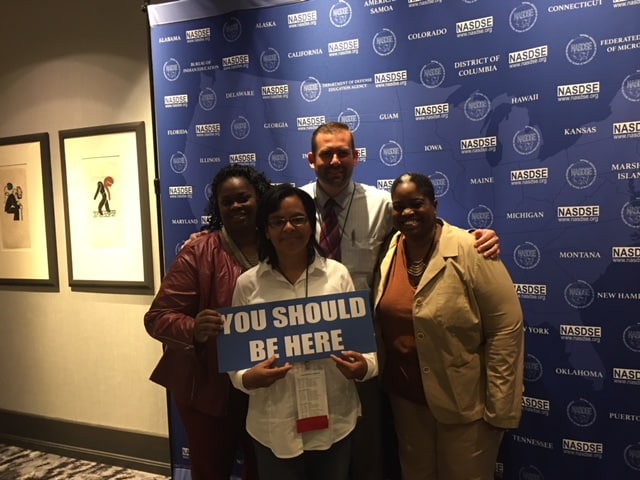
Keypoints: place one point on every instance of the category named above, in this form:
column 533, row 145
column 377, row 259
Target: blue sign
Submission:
column 296, row 330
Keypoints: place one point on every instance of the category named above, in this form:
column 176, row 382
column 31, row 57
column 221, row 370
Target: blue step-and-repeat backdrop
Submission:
column 526, row 116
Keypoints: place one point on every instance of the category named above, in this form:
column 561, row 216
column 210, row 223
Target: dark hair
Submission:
column 271, row 203
column 260, row 183
column 331, row 128
column 421, row 181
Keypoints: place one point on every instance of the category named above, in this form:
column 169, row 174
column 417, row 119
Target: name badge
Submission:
column 311, row 398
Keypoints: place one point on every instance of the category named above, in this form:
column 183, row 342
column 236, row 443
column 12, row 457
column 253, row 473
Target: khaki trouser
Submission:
column 430, row 450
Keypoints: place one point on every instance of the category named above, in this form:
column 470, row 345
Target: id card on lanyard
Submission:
column 311, row 398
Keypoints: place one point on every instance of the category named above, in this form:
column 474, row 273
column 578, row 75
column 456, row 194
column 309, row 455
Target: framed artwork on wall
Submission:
column 28, row 257
column 106, row 204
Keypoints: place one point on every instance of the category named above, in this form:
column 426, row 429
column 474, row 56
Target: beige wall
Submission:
column 80, row 357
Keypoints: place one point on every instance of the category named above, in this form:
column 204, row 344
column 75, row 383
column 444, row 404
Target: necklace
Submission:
column 417, row 267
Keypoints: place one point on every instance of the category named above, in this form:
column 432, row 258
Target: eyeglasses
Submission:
column 280, row 222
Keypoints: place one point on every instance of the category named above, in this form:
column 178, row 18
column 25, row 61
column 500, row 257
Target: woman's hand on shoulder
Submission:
column 265, row 374
column 352, row 365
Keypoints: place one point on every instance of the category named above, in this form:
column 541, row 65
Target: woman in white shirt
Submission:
column 292, row 267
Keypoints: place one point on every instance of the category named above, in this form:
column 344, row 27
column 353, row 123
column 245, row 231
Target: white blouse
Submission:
column 272, row 416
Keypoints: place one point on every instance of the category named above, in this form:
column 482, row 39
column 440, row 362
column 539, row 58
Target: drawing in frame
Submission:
column 106, row 204
column 28, row 257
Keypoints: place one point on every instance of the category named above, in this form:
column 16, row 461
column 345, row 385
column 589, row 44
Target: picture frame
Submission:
column 106, row 204
column 28, row 251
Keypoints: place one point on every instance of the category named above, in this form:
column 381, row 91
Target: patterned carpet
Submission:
column 21, row 464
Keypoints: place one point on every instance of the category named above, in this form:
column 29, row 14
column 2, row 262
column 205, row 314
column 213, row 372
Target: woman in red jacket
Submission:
column 184, row 317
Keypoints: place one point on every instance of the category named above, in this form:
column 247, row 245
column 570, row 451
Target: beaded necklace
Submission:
column 416, row 268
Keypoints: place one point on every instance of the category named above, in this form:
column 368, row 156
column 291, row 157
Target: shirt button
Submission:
column 419, row 302
column 420, row 336
column 426, row 369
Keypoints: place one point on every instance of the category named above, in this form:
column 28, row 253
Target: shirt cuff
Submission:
column 236, row 380
column 372, row 366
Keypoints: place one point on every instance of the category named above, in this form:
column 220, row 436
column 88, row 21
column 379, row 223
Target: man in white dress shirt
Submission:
column 364, row 220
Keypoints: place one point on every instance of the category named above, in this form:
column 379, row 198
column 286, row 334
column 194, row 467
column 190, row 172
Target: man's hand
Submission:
column 487, row 243
column 193, row 236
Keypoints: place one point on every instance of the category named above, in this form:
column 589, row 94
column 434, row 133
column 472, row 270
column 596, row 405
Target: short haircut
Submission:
column 331, row 128
column 421, row 181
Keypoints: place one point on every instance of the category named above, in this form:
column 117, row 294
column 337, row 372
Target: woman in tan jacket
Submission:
column 451, row 342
